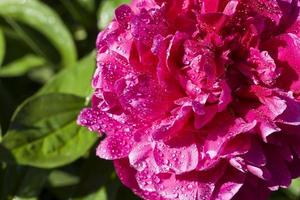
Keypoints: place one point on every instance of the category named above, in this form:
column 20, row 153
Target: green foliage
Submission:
column 21, row 183
column 21, row 66
column 44, row 154
column 294, row 190
column 44, row 132
column 2, row 46
column 89, row 5
column 74, row 80
column 45, row 20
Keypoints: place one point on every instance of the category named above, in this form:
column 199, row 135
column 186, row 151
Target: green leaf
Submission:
column 62, row 183
column 44, row 132
column 78, row 12
column 294, row 189
column 18, row 182
column 100, row 195
column 89, row 5
column 97, row 181
column 107, row 11
column 42, row 74
column 76, row 80
column 7, row 106
column 21, row 66
column 280, row 195
column 103, row 184
column 45, row 20
column 2, row 47
column 32, row 183
column 60, row 178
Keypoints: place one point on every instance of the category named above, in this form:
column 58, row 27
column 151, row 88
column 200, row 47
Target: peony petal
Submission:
column 179, row 155
column 231, row 7
column 291, row 115
column 260, row 172
column 288, row 48
column 139, row 155
column 115, row 146
column 266, row 124
column 125, row 173
column 144, row 179
column 255, row 156
column 143, row 97
column 199, row 99
column 111, row 66
column 253, row 188
column 221, row 132
column 229, row 185
column 145, row 25
column 290, row 22
column 280, row 175
column 100, row 121
column 202, row 120
column 115, row 39
column 267, row 8
column 291, row 137
column 225, row 97
column 124, row 15
column 167, row 127
column 294, row 167
column 265, row 66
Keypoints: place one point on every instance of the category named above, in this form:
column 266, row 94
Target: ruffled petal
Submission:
column 179, row 155
column 199, row 99
column 115, row 146
column 288, row 48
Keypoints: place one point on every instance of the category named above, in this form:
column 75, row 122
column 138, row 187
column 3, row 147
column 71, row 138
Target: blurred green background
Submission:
column 47, row 59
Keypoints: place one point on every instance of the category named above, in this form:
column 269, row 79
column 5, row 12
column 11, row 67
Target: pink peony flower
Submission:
column 200, row 99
